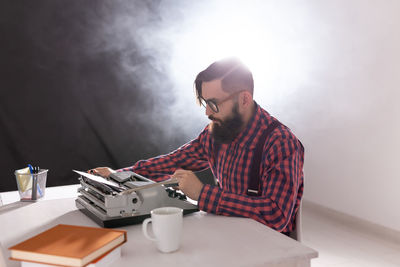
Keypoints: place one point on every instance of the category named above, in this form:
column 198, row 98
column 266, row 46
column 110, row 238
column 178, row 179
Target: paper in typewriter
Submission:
column 99, row 179
column 140, row 186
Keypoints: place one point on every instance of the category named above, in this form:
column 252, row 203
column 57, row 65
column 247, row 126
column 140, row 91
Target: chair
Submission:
column 297, row 233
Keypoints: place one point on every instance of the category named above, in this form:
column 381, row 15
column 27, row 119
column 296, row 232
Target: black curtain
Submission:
column 67, row 101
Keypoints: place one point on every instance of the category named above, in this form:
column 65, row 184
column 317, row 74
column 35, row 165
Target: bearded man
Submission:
column 257, row 161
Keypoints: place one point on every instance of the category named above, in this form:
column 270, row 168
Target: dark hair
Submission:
column 234, row 75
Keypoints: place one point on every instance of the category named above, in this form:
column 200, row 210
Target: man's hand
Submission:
column 102, row 171
column 188, row 183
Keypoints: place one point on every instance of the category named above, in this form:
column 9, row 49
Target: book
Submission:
column 104, row 261
column 69, row 245
column 107, row 259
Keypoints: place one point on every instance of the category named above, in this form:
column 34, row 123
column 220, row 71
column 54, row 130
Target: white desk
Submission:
column 55, row 192
column 208, row 240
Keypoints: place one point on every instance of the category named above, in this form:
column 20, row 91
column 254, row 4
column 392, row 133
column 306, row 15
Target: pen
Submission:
column 34, row 183
column 38, row 184
column 35, row 186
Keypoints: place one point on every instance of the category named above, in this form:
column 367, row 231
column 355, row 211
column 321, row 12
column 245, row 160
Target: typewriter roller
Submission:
column 107, row 202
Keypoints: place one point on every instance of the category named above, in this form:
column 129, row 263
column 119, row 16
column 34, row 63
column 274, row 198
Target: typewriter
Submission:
column 125, row 198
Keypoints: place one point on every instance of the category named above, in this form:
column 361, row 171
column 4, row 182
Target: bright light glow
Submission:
column 268, row 37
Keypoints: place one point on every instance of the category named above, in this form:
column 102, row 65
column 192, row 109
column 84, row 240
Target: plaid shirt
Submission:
column 281, row 173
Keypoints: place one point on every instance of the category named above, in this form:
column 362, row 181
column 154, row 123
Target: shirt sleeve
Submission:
column 190, row 156
column 282, row 172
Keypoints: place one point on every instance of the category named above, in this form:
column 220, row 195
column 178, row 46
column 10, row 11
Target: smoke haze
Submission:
column 106, row 83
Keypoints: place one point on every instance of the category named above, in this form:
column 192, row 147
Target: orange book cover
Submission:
column 70, row 245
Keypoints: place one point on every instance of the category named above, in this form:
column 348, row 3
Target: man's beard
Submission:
column 227, row 130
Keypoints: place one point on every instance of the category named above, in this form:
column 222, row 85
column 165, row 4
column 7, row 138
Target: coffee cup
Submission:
column 167, row 225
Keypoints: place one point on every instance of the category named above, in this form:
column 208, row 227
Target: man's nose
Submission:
column 209, row 111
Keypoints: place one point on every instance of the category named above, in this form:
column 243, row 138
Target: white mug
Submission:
column 167, row 225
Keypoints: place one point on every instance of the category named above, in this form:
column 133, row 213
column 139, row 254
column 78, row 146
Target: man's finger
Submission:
column 179, row 171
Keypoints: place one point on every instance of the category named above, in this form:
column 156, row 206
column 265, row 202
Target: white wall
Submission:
column 328, row 69
column 347, row 112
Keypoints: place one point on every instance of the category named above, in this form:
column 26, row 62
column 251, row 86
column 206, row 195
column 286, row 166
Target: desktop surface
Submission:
column 207, row 239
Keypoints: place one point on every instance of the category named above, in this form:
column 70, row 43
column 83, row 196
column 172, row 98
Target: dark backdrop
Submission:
column 67, row 101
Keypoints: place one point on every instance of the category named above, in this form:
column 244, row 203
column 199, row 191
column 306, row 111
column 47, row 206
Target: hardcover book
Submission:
column 69, row 245
column 104, row 261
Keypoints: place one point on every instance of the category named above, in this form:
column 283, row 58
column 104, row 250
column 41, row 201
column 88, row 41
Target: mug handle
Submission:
column 144, row 229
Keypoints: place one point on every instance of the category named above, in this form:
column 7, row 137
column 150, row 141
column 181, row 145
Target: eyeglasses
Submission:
column 213, row 104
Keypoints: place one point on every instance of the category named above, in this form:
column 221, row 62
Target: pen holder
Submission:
column 31, row 186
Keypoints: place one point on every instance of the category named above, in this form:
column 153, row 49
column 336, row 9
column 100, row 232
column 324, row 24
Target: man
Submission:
column 257, row 161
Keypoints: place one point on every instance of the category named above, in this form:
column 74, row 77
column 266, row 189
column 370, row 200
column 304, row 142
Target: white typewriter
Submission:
column 126, row 198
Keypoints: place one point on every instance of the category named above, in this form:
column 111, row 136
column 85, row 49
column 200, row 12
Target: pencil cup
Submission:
column 167, row 225
column 31, row 186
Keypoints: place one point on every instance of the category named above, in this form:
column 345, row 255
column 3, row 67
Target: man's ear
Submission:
column 246, row 99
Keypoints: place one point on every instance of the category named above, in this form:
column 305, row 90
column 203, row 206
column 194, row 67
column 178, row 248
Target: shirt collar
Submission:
column 251, row 128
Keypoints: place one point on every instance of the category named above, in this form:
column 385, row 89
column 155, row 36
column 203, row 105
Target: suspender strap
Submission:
column 254, row 182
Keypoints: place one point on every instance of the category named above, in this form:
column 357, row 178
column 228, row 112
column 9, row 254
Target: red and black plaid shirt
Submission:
column 281, row 173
